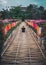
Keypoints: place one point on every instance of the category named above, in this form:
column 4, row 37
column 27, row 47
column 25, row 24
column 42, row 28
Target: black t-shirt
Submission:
column 23, row 29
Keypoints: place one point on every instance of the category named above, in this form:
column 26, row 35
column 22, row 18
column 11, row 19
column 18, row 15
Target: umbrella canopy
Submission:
column 40, row 21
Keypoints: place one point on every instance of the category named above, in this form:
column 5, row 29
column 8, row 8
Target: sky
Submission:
column 6, row 3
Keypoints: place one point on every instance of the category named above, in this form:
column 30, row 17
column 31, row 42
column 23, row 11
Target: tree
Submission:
column 41, row 8
column 44, row 15
column 32, row 12
column 35, row 12
column 16, row 12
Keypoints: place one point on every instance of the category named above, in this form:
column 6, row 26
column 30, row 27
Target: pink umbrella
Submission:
column 5, row 21
column 40, row 21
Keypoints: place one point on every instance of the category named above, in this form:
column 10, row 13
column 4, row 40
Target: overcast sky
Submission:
column 5, row 3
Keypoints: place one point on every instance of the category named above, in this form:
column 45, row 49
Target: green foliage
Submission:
column 31, row 12
column 45, row 43
column 16, row 12
column 1, row 37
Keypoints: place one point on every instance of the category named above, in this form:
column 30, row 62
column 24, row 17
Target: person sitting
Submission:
column 23, row 29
